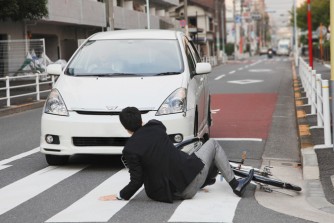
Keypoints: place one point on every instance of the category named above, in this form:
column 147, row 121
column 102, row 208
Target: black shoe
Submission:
column 242, row 183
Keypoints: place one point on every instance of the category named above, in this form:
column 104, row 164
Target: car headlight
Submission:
column 175, row 103
column 55, row 104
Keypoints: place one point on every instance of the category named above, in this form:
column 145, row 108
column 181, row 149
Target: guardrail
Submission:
column 317, row 93
column 37, row 84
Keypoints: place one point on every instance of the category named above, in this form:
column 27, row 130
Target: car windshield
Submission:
column 108, row 58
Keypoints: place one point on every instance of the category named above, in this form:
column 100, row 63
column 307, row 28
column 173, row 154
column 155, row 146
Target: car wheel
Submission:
column 56, row 160
column 206, row 136
column 209, row 112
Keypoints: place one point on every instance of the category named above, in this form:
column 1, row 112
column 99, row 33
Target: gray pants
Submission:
column 210, row 153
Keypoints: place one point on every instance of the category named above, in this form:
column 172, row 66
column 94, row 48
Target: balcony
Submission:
column 130, row 19
column 78, row 12
column 167, row 2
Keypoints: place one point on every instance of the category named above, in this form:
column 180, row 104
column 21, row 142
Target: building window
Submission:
column 192, row 21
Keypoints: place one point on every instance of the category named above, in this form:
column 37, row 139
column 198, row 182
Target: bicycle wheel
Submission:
column 268, row 181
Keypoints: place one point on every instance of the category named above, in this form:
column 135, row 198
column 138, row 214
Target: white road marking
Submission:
column 90, row 209
column 17, row 157
column 4, row 166
column 216, row 205
column 239, row 139
column 241, row 68
column 22, row 190
column 260, row 70
column 232, row 72
column 220, row 77
column 248, row 81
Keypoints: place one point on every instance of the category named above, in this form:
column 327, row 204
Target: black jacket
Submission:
column 153, row 161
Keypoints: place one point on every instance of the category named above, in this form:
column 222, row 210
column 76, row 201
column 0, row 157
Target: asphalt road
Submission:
column 76, row 192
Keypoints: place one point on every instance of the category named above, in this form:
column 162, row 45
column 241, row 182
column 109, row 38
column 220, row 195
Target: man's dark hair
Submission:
column 130, row 118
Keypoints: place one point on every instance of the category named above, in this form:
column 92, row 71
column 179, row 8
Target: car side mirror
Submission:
column 54, row 69
column 203, row 68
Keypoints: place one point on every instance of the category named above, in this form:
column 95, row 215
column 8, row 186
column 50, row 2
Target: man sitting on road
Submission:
column 167, row 173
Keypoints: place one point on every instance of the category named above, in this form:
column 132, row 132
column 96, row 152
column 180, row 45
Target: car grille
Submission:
column 103, row 112
column 99, row 141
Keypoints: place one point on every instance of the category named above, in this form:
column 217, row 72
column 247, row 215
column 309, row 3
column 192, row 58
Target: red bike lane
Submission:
column 242, row 115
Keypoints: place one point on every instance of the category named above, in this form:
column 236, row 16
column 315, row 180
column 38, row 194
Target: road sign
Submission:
column 323, row 29
column 256, row 16
column 238, row 19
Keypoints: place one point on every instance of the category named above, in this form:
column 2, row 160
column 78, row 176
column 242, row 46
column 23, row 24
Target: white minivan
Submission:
column 157, row 71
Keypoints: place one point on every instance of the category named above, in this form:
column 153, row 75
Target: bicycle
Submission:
column 263, row 177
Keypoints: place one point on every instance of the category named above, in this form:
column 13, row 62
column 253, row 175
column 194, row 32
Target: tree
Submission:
column 17, row 10
column 320, row 14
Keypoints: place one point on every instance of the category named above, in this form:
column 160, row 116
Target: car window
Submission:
column 191, row 61
column 127, row 57
column 194, row 51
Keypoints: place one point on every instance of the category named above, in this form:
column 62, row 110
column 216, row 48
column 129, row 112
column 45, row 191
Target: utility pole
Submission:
column 148, row 14
column 332, row 55
column 296, row 33
column 186, row 17
column 110, row 15
column 235, row 32
column 217, row 28
column 309, row 22
column 223, row 25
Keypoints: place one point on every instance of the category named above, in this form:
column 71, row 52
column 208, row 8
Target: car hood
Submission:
column 116, row 93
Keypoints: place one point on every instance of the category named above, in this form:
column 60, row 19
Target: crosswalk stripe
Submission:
column 20, row 191
column 216, row 205
column 90, row 209
column 19, row 156
column 4, row 166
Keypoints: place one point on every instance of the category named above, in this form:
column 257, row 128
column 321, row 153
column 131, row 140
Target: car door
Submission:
column 198, row 85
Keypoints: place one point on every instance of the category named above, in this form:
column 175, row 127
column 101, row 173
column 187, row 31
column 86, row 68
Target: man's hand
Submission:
column 112, row 197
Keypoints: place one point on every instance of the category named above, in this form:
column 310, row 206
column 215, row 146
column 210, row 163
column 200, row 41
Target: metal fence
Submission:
column 22, row 57
column 317, row 93
column 21, row 87
column 325, row 55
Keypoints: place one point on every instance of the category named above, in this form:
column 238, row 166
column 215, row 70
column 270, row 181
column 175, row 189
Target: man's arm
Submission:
column 136, row 176
column 136, row 180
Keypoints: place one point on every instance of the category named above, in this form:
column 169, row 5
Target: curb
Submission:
column 310, row 168
column 308, row 155
column 20, row 108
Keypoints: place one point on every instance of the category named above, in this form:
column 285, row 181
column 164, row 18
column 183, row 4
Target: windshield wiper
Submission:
column 114, row 74
column 167, row 73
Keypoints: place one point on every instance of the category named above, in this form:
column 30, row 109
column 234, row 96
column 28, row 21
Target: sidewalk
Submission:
column 315, row 201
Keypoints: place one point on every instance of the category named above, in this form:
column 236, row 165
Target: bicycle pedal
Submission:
column 265, row 188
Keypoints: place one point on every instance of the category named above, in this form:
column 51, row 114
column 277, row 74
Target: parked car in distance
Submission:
column 263, row 50
column 157, row 71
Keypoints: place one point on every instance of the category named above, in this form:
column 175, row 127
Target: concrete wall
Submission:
column 80, row 12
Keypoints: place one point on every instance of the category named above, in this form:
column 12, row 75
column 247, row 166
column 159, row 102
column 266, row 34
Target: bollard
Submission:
column 319, row 101
column 326, row 113
column 7, row 91
column 37, row 87
column 313, row 92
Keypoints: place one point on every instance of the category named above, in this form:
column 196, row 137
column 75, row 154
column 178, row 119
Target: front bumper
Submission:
column 101, row 134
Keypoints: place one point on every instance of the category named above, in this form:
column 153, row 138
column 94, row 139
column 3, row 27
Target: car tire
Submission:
column 196, row 123
column 54, row 160
column 209, row 112
column 206, row 136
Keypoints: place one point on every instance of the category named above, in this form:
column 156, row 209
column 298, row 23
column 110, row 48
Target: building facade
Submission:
column 70, row 22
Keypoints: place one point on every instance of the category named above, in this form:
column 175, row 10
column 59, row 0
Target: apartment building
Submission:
column 71, row 21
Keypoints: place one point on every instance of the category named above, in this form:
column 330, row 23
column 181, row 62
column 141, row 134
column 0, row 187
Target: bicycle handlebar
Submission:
column 189, row 141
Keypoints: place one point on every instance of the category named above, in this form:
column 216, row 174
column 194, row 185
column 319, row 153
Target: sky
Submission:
column 279, row 10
